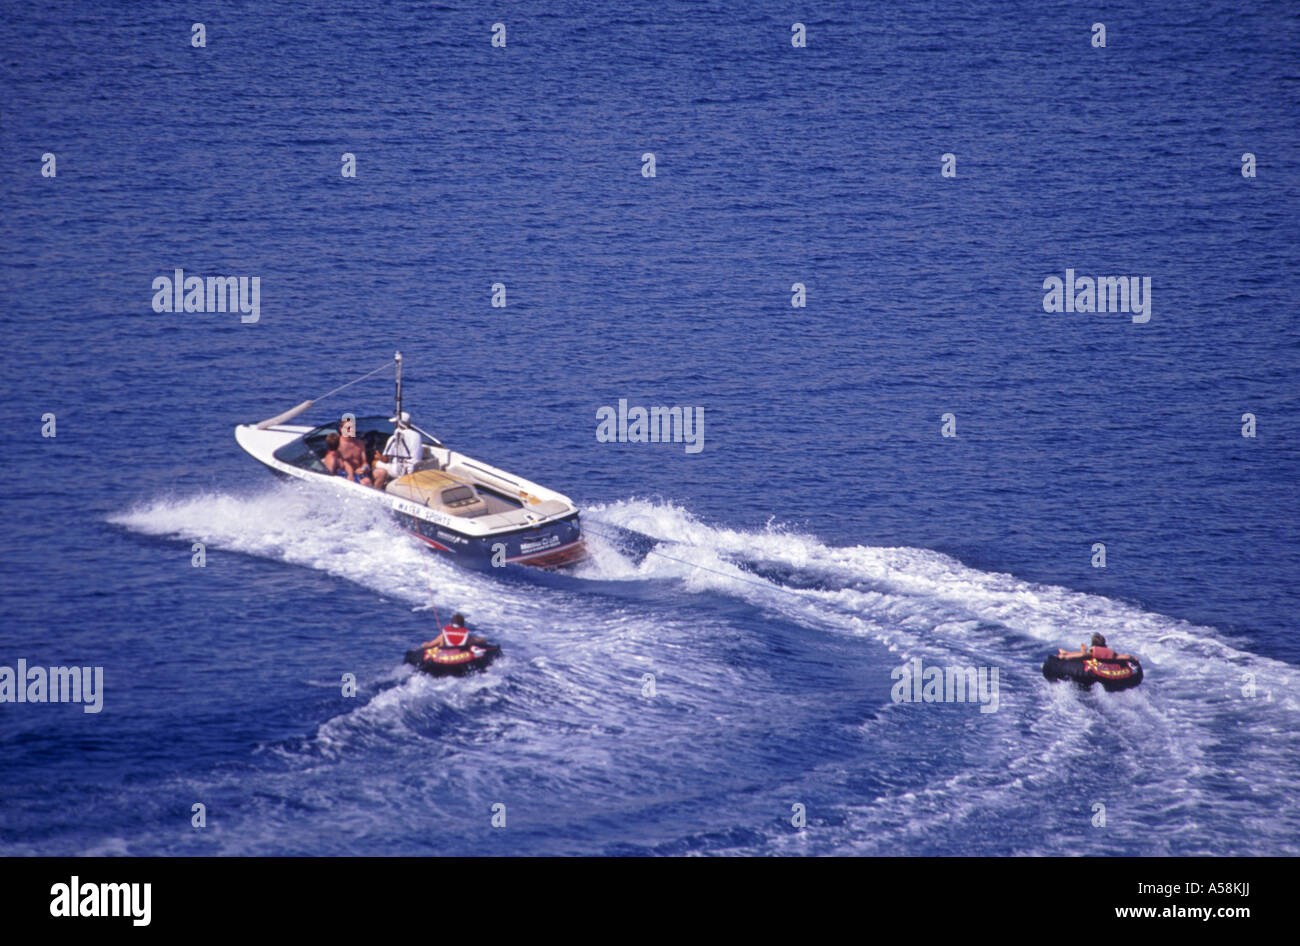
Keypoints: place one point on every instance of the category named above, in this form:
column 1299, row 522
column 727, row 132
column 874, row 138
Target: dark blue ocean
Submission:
column 826, row 533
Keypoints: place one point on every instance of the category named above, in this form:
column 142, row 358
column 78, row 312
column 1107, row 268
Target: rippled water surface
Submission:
column 824, row 535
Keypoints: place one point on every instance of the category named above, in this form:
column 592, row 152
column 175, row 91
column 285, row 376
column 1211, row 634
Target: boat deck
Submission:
column 435, row 487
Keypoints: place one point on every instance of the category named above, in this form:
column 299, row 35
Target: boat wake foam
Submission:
column 906, row 598
column 568, row 691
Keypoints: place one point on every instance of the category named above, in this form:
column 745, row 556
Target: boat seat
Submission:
column 442, row 491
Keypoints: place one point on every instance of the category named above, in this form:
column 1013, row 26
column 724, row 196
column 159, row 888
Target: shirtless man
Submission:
column 352, row 453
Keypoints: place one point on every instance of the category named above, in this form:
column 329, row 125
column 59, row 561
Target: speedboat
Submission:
column 474, row 513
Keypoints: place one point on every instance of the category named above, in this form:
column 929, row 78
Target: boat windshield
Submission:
column 306, row 451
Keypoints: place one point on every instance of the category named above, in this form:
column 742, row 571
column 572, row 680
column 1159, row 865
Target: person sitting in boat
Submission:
column 332, row 462
column 382, row 469
column 352, row 453
column 455, row 634
column 404, row 449
column 1098, row 651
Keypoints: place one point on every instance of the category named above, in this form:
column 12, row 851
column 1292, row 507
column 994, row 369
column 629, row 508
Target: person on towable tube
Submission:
column 1098, row 651
column 455, row 635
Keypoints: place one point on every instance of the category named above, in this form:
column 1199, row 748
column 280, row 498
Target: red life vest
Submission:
column 455, row 636
column 1102, row 653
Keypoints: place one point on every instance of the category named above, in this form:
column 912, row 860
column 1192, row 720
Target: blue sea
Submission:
column 718, row 678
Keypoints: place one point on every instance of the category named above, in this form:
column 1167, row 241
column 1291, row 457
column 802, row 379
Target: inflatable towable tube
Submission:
column 1085, row 671
column 452, row 661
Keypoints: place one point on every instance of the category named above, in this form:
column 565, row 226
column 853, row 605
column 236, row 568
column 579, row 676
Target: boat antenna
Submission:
column 397, row 357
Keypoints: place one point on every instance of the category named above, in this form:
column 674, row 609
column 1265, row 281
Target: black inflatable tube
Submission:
column 1074, row 668
column 460, row 667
